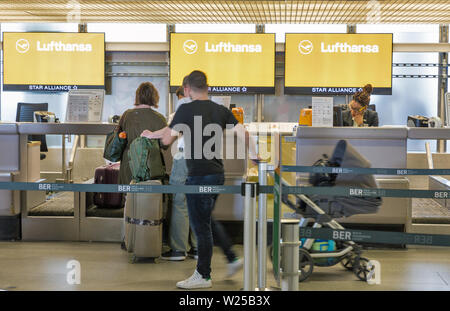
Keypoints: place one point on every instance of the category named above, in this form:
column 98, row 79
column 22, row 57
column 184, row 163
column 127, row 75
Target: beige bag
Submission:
column 143, row 223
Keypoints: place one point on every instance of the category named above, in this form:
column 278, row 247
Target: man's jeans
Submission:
column 200, row 207
column 179, row 221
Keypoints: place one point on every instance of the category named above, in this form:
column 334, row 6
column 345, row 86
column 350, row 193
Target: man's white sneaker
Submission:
column 195, row 281
column 234, row 267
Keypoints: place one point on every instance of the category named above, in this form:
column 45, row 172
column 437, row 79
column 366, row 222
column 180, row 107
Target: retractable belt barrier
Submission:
column 367, row 192
column 213, row 189
column 362, row 170
column 380, row 237
column 366, row 236
column 218, row 189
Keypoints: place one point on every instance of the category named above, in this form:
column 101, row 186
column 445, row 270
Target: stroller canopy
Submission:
column 345, row 155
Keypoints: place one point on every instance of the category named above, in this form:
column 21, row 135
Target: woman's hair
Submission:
column 363, row 97
column 180, row 92
column 147, row 94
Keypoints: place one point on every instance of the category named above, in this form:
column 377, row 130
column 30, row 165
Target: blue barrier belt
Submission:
column 381, row 237
column 136, row 188
column 367, row 192
column 212, row 189
column 360, row 170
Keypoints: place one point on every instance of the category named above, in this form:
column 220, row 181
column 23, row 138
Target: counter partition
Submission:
column 13, row 138
column 382, row 146
column 9, row 140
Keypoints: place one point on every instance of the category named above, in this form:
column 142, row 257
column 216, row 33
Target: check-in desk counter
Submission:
column 9, row 168
column 384, row 147
column 80, row 128
column 9, row 137
column 60, row 217
column 230, row 207
column 429, row 133
column 267, row 136
column 424, row 221
column 89, row 223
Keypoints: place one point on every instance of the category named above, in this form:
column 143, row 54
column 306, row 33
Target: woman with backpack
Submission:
column 142, row 116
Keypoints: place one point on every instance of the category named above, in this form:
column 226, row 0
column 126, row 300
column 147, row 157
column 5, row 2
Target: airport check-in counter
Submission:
column 76, row 217
column 230, row 207
column 384, row 147
column 66, row 219
column 107, row 225
column 434, row 182
column 9, row 170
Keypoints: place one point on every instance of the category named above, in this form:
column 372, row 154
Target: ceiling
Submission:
column 236, row 12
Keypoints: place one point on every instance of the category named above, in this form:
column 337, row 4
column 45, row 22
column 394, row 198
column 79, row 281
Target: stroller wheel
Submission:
column 360, row 268
column 348, row 262
column 305, row 265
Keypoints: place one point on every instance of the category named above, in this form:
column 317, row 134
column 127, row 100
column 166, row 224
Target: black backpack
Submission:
column 323, row 179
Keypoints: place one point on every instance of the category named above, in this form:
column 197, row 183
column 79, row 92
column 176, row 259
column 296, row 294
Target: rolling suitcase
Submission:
column 108, row 174
column 143, row 223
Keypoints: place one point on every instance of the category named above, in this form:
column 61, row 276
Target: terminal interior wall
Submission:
column 409, row 96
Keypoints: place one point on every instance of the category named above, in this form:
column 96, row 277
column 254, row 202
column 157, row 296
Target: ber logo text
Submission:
column 205, row 189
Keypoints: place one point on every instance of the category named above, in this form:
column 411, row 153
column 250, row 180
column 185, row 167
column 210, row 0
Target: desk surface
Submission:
column 428, row 133
column 384, row 132
column 352, row 132
column 81, row 128
column 8, row 128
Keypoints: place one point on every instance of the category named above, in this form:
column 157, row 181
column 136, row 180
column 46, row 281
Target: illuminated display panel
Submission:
column 233, row 63
column 53, row 61
column 337, row 64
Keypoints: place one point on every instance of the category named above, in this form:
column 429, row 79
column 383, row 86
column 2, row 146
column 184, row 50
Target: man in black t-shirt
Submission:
column 202, row 123
column 198, row 115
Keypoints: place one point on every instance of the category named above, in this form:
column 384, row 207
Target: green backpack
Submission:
column 145, row 159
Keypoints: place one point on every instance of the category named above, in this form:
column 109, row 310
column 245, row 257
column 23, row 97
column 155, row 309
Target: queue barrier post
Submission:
column 289, row 254
column 249, row 191
column 262, row 228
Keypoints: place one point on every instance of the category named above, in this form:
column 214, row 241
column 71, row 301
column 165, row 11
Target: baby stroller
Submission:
column 324, row 208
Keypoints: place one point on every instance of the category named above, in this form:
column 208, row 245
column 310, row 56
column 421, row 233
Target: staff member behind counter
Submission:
column 358, row 115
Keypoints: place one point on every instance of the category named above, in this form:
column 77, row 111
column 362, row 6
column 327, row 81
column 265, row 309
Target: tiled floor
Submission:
column 104, row 266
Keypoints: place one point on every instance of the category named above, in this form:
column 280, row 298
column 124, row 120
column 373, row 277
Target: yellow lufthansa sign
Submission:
column 34, row 60
column 338, row 63
column 233, row 63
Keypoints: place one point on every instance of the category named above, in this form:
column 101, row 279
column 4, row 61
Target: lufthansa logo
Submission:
column 305, row 47
column 190, row 46
column 22, row 46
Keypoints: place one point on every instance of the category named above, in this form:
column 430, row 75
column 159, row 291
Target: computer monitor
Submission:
column 25, row 113
column 337, row 116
